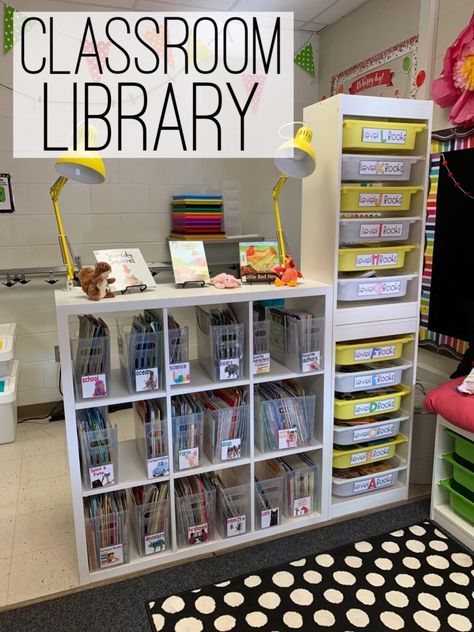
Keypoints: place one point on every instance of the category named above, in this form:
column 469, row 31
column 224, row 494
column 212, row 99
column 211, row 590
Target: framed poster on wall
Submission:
column 391, row 73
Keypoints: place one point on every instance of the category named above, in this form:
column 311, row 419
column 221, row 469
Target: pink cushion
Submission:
column 455, row 407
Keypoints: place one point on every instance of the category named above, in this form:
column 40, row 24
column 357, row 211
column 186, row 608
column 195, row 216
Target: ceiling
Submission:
column 310, row 15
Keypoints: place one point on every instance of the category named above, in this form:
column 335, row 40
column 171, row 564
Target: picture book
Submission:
column 129, row 268
column 189, row 261
column 257, row 260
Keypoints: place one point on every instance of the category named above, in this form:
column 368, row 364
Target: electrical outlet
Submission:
column 57, row 357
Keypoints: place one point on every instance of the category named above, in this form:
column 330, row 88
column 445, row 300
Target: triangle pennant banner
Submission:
column 304, row 59
column 103, row 50
column 8, row 13
column 249, row 81
column 157, row 41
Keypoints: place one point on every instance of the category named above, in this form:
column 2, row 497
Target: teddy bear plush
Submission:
column 95, row 281
column 222, row 281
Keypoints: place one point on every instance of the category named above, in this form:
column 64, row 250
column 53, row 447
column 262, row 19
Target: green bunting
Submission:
column 8, row 14
column 304, row 58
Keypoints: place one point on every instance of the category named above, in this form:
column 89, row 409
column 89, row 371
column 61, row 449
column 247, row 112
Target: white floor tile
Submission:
column 4, row 579
column 43, row 529
column 44, row 494
column 44, row 466
column 7, row 528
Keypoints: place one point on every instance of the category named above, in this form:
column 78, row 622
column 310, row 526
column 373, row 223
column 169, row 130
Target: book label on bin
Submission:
column 287, row 438
column 230, row 449
column 365, row 434
column 380, row 168
column 111, row 555
column 187, row 458
column 379, row 379
column 229, row 369
column 310, row 361
column 379, row 288
column 158, row 467
column 180, row 373
column 375, row 231
column 302, row 506
column 146, row 380
column 379, row 135
column 374, row 353
column 198, row 533
column 372, row 483
column 261, row 363
column 102, row 475
column 236, row 525
column 379, row 406
column 269, row 518
column 94, row 385
column 155, row 543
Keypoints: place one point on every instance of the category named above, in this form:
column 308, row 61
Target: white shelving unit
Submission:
column 441, row 510
column 314, row 297
column 320, row 243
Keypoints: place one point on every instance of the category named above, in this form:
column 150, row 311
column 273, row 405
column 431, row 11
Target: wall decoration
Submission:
column 8, row 15
column 391, row 73
column 442, row 144
column 304, row 59
column 249, row 82
column 102, row 49
column 7, row 204
column 455, row 87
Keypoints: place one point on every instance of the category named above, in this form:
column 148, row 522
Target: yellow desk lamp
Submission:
column 82, row 166
column 295, row 158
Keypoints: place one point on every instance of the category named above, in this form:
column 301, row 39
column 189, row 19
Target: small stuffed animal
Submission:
column 224, row 280
column 95, row 281
column 287, row 274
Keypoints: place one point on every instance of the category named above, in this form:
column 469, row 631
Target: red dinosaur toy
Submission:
column 288, row 274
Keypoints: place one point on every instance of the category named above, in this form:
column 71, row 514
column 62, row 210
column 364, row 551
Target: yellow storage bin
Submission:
column 370, row 350
column 355, row 198
column 380, row 135
column 372, row 258
column 357, row 455
column 375, row 403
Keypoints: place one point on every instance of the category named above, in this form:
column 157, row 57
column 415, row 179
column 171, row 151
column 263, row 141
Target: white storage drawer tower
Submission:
column 363, row 231
column 9, row 374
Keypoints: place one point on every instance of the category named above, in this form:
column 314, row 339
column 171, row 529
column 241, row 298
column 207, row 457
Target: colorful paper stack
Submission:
column 197, row 217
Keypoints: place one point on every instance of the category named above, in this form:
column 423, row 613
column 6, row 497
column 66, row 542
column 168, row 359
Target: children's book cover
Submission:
column 189, row 261
column 257, row 261
column 129, row 268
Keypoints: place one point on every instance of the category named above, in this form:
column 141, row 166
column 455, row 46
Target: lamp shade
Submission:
column 87, row 168
column 296, row 157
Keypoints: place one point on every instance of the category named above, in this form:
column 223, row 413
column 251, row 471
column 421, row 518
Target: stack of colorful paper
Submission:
column 197, row 217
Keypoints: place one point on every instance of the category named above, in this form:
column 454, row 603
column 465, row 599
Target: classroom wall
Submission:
column 130, row 209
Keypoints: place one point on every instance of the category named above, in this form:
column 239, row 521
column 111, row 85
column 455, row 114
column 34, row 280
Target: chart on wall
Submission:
column 447, row 298
column 390, row 73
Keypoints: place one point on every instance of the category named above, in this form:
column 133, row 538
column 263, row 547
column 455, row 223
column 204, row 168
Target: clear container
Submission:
column 233, row 510
column 372, row 288
column 284, row 423
column 107, row 540
column 355, row 167
column 298, row 344
column 368, row 482
column 91, row 357
column 195, row 517
column 365, row 377
column 385, row 427
column 220, row 348
column 187, row 441
column 150, row 526
column 364, row 230
column 152, row 444
column 99, row 456
column 179, row 367
column 226, row 433
column 140, row 359
column 261, row 347
column 268, row 502
column 300, row 488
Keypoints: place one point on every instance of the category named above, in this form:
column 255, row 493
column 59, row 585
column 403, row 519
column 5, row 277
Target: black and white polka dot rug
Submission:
column 411, row 579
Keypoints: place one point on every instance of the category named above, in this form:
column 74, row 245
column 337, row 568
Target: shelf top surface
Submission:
column 168, row 295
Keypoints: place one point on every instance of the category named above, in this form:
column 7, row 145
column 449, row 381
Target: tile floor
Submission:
column 37, row 547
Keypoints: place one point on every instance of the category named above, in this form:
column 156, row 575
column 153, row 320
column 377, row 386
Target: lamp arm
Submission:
column 65, row 248
column 276, row 193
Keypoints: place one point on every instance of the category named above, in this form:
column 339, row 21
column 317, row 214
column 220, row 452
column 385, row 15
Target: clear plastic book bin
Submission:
column 195, row 517
column 188, row 441
column 353, row 481
column 362, row 167
column 220, row 348
column 91, row 357
column 268, row 497
column 226, row 433
column 150, row 525
column 140, row 358
column 284, row 423
column 107, row 540
column 7, row 348
column 300, row 487
column 363, row 230
column 233, row 506
column 382, row 427
column 365, row 377
column 152, row 442
column 298, row 344
column 179, row 367
column 373, row 288
column 99, row 453
column 261, row 347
